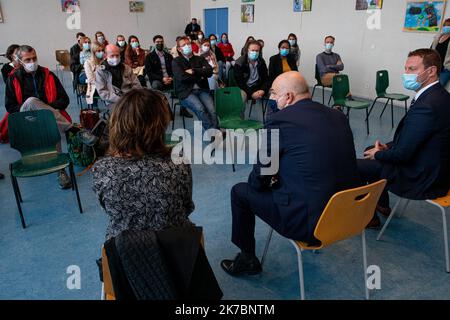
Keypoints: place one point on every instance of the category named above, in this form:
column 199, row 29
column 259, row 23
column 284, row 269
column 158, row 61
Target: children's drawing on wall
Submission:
column 424, row 16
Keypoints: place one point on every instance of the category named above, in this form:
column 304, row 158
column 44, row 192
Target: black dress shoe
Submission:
column 241, row 266
column 185, row 113
column 384, row 211
column 375, row 223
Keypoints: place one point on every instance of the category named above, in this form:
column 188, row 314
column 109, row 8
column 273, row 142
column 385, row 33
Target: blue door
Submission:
column 216, row 21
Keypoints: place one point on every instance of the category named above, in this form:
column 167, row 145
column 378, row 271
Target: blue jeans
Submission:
column 201, row 103
column 445, row 77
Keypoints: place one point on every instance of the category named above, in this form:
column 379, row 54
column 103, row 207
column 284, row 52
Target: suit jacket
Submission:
column 184, row 82
column 153, row 68
column 242, row 74
column 417, row 164
column 276, row 66
column 317, row 159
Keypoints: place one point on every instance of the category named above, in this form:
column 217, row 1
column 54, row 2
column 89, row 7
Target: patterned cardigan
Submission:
column 148, row 193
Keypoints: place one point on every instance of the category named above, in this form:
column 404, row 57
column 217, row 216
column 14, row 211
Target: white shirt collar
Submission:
column 419, row 93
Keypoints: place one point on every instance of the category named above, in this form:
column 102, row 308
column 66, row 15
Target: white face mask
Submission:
column 113, row 61
column 31, row 67
column 205, row 49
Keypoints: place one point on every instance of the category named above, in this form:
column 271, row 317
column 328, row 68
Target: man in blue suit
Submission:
column 316, row 160
column 417, row 163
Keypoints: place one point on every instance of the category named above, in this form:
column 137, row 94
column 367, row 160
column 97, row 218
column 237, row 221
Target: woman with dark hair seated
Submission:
column 137, row 184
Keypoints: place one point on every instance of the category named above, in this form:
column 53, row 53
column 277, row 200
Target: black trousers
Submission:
column 370, row 171
column 246, row 203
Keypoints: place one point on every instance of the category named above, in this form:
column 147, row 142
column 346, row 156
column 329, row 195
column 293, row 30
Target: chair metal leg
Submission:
column 388, row 220
column 231, row 150
column 174, row 112
column 367, row 121
column 444, row 227
column 314, row 89
column 373, row 105
column 384, row 108
column 363, row 236
column 392, row 113
column 406, row 107
column 300, row 269
column 402, row 212
column 323, row 96
column 331, row 96
column 74, row 183
column 266, row 247
column 103, row 297
column 18, row 189
column 251, row 108
column 16, row 194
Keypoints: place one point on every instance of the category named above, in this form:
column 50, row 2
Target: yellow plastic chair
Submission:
column 345, row 216
column 442, row 204
column 107, row 287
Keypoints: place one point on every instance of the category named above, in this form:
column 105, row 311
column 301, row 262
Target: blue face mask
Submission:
column 329, row 47
column 284, row 52
column 446, row 30
column 187, row 50
column 224, row 40
column 86, row 46
column 99, row 54
column 253, row 55
column 135, row 45
column 293, row 42
column 213, row 42
column 410, row 82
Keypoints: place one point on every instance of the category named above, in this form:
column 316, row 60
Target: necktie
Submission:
column 412, row 102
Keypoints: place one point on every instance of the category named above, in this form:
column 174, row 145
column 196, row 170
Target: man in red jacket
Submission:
column 32, row 87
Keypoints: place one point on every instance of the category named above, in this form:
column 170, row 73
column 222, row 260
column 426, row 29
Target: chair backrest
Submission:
column 231, row 78
column 382, row 82
column 229, row 103
column 348, row 213
column 317, row 76
column 341, row 88
column 63, row 57
column 33, row 132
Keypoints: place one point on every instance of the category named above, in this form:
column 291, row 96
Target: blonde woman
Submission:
column 90, row 66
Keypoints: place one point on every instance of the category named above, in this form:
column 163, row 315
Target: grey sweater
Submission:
column 328, row 63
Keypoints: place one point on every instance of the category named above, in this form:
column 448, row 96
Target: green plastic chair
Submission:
column 381, row 86
column 320, row 84
column 169, row 142
column 340, row 91
column 35, row 135
column 229, row 106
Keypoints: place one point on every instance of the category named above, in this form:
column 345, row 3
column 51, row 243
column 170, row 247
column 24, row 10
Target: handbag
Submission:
column 89, row 118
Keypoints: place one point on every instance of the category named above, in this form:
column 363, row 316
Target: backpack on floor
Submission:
column 81, row 154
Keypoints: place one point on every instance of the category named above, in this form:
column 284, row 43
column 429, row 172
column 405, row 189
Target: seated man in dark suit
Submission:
column 316, row 160
column 417, row 163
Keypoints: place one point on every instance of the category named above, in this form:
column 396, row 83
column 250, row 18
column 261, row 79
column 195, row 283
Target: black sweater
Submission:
column 153, row 68
column 184, row 82
column 28, row 90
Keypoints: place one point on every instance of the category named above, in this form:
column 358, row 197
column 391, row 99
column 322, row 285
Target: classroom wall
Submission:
column 42, row 23
column 363, row 51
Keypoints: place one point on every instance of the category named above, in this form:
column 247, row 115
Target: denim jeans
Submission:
column 201, row 103
column 445, row 77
